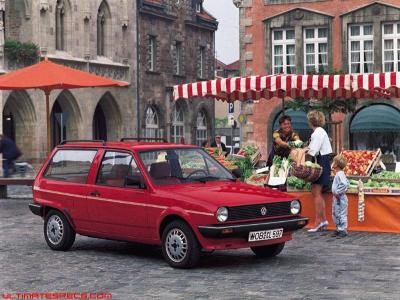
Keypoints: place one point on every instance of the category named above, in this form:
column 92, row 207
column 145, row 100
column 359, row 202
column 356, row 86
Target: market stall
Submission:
column 374, row 200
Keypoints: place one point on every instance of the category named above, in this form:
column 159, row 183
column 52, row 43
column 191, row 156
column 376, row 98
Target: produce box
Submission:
column 360, row 162
column 386, row 176
column 252, row 151
column 258, row 179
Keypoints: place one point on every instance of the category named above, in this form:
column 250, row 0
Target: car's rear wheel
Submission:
column 268, row 251
column 58, row 232
column 180, row 246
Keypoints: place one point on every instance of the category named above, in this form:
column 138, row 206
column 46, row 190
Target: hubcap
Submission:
column 55, row 229
column 176, row 245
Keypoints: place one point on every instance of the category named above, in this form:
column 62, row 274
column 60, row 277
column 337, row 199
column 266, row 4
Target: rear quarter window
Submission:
column 70, row 165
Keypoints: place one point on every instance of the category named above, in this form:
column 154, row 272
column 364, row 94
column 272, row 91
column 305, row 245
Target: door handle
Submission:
column 94, row 194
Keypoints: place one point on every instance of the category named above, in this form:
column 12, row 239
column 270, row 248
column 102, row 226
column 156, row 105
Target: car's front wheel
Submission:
column 180, row 246
column 268, row 251
column 58, row 232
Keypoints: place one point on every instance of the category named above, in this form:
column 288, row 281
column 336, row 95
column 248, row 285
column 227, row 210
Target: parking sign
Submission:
column 231, row 108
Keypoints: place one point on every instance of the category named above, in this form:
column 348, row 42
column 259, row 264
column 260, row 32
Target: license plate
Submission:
column 264, row 235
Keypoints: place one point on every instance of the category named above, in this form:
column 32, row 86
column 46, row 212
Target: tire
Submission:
column 175, row 235
column 58, row 233
column 268, row 251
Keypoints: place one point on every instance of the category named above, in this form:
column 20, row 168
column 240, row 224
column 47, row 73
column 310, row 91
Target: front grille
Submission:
column 254, row 211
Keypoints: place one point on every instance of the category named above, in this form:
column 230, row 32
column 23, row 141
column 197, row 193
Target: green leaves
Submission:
column 26, row 53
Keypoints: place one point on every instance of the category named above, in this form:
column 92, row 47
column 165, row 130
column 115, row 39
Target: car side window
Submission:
column 70, row 165
column 115, row 167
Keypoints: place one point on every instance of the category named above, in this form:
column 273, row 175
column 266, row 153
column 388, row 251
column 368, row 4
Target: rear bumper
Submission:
column 36, row 209
column 242, row 230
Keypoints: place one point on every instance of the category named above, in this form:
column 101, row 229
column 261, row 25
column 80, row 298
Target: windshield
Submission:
column 179, row 166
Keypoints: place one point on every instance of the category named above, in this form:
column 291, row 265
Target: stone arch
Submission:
column 109, row 107
column 104, row 30
column 65, row 118
column 19, row 120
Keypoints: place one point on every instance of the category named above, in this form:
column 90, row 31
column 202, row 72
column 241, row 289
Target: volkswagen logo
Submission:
column 263, row 210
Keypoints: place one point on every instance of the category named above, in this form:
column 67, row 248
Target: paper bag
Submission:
column 298, row 156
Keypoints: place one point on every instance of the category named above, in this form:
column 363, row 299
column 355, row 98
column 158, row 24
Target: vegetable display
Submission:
column 386, row 175
column 247, row 150
column 376, row 184
column 298, row 184
column 359, row 162
column 296, row 144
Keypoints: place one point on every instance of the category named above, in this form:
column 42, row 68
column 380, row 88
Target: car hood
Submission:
column 225, row 193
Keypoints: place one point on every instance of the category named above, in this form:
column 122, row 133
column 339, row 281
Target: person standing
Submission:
column 339, row 201
column 320, row 150
column 10, row 153
column 217, row 143
column 282, row 137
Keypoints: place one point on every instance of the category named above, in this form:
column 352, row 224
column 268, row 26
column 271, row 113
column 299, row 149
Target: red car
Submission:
column 176, row 196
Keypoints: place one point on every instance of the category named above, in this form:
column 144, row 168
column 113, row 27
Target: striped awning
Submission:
column 376, row 85
column 267, row 87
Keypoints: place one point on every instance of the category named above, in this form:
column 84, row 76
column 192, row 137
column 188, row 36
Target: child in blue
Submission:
column 339, row 201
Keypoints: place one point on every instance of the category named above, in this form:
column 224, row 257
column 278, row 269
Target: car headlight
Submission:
column 222, row 214
column 295, row 207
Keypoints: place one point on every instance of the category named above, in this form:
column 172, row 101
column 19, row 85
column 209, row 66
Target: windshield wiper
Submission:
column 211, row 178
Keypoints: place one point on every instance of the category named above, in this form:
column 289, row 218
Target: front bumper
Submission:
column 36, row 209
column 242, row 230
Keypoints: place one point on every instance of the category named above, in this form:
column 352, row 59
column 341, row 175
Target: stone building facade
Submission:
column 101, row 36
column 176, row 45
column 295, row 36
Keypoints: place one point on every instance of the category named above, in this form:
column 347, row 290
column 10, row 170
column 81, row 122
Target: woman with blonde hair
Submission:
column 320, row 148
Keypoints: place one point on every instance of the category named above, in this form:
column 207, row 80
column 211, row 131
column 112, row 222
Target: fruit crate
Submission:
column 355, row 169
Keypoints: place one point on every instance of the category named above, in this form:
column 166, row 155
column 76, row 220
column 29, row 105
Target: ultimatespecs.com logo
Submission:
column 59, row 296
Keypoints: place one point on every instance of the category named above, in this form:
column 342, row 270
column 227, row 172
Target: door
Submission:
column 116, row 209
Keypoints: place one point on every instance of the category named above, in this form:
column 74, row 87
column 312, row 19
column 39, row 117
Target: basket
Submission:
column 306, row 173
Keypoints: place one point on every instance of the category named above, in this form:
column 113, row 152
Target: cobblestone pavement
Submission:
column 362, row 266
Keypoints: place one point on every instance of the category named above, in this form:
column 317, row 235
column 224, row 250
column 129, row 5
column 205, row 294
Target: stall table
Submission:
column 382, row 213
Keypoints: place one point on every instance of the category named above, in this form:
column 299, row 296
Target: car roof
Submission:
column 126, row 145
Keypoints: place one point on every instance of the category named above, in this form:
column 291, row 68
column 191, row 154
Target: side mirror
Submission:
column 237, row 173
column 136, row 182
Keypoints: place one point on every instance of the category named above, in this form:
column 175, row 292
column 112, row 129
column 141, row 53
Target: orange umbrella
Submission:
column 49, row 76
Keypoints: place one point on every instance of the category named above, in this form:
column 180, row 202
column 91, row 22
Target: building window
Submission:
column 178, row 58
column 283, row 51
column 152, row 129
column 361, row 49
column 178, row 124
column 201, row 63
column 315, row 50
column 391, row 47
column 103, row 25
column 151, row 53
column 201, row 131
column 60, row 25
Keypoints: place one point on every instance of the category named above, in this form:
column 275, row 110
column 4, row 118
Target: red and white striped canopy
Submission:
column 376, row 85
column 267, row 87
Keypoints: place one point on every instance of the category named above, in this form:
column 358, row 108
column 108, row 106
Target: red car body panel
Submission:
column 137, row 214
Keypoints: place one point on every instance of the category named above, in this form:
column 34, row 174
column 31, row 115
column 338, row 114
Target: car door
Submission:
column 63, row 184
column 116, row 209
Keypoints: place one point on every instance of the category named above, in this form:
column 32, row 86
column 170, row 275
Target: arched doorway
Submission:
column 99, row 124
column 65, row 118
column 19, row 120
column 376, row 126
column 107, row 120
